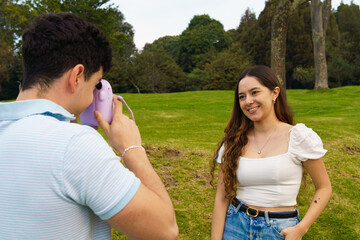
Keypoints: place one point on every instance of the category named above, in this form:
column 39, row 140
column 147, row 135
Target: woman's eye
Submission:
column 241, row 97
column 254, row 92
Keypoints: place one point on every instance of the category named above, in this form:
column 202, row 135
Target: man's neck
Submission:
column 28, row 95
column 54, row 95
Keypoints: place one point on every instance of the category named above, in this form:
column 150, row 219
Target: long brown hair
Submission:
column 239, row 125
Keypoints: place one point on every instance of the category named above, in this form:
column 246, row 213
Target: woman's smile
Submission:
column 253, row 110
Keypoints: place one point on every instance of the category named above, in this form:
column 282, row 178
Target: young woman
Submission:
column 261, row 158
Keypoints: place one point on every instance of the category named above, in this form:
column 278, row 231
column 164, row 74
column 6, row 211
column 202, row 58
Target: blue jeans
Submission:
column 239, row 225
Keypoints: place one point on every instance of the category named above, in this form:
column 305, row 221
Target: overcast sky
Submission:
column 152, row 19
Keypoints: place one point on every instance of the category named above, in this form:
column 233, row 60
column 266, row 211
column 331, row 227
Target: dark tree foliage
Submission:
column 202, row 35
column 196, row 80
column 16, row 15
column 254, row 36
column 262, row 50
column 155, row 71
column 171, row 44
column 346, row 65
column 332, row 38
column 7, row 54
column 299, row 50
column 225, row 70
column 332, row 51
column 248, row 35
column 210, row 57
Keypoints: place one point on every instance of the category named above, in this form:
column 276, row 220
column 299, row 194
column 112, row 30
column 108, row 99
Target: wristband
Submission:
column 131, row 147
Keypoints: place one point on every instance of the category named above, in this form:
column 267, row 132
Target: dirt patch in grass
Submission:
column 352, row 149
column 163, row 151
column 171, row 153
column 182, row 168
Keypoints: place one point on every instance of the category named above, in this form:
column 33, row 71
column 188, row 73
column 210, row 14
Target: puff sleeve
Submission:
column 305, row 144
column 220, row 154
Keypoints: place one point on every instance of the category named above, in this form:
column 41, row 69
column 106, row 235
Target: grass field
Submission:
column 181, row 131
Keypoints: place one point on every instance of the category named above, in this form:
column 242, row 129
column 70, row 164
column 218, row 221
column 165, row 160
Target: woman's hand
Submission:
column 293, row 233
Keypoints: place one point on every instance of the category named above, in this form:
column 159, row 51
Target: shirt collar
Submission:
column 20, row 109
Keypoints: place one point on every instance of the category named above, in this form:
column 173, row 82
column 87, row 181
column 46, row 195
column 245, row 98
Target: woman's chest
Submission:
column 275, row 170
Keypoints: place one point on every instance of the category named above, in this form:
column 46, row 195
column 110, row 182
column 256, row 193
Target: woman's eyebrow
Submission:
column 252, row 89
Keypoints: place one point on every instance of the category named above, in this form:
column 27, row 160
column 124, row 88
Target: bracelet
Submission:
column 131, row 147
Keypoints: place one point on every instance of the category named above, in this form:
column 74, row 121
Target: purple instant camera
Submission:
column 103, row 102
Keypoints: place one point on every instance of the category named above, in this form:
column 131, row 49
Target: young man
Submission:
column 61, row 180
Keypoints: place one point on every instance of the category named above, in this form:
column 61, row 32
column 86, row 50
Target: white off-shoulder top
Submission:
column 275, row 181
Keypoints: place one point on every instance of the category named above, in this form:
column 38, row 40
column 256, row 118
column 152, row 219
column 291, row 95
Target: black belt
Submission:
column 252, row 212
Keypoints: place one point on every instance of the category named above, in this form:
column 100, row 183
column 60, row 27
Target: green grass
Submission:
column 181, row 131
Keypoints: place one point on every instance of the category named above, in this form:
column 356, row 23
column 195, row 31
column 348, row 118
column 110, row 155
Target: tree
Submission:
column 157, row 72
column 171, row 44
column 279, row 26
column 201, row 36
column 332, row 38
column 346, row 62
column 7, row 51
column 196, row 80
column 225, row 70
column 299, row 48
column 319, row 19
column 333, row 52
column 111, row 21
column 348, row 20
column 18, row 14
column 254, row 34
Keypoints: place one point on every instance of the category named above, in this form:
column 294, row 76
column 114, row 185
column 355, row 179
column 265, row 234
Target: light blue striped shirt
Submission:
column 58, row 180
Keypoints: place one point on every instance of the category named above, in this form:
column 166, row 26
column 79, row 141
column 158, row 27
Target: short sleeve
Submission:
column 93, row 176
column 305, row 144
column 220, row 154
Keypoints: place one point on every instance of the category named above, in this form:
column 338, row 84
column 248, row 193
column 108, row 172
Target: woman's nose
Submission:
column 249, row 100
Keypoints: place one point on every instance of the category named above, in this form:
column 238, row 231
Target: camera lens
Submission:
column 98, row 86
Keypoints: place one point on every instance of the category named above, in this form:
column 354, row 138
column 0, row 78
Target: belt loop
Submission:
column 298, row 214
column 238, row 207
column 267, row 217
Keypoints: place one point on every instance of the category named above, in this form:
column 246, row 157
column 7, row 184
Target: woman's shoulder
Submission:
column 301, row 132
column 305, row 142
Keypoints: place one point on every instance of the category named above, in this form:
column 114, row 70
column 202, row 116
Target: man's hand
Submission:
column 122, row 132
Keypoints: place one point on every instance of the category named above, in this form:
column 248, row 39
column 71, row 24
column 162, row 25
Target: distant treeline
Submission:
column 203, row 56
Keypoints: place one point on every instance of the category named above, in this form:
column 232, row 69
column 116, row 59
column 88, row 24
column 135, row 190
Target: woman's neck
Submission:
column 266, row 126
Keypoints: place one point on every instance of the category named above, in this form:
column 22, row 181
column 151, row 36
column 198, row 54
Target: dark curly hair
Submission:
column 54, row 43
column 239, row 125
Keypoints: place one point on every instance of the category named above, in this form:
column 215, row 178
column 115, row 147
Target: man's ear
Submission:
column 76, row 74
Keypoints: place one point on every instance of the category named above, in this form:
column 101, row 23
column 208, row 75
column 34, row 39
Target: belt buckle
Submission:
column 255, row 215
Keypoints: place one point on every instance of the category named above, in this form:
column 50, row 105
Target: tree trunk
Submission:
column 319, row 23
column 137, row 88
column 279, row 27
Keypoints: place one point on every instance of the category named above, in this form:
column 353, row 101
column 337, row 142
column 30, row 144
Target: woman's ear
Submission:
column 276, row 93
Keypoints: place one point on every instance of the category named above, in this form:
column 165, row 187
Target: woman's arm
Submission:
column 320, row 178
column 220, row 208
